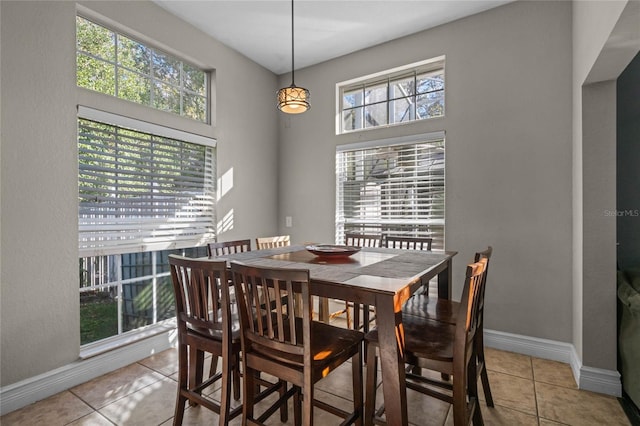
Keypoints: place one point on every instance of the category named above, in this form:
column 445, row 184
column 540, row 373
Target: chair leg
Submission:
column 307, row 403
column 472, row 392
column 214, row 365
column 178, row 415
column 236, row 378
column 371, row 384
column 196, row 361
column 284, row 408
column 297, row 408
column 482, row 366
column 225, row 396
column 248, row 394
column 181, row 400
column 356, row 373
column 460, row 389
column 477, row 415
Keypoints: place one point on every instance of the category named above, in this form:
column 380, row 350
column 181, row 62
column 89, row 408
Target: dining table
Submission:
column 380, row 277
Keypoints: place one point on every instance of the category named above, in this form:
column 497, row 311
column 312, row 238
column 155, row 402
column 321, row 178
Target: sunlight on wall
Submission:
column 226, row 224
column 225, row 183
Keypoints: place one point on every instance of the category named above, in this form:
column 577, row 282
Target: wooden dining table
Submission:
column 380, row 277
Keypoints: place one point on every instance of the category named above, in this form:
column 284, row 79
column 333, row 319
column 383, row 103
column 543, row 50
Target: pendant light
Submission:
column 293, row 99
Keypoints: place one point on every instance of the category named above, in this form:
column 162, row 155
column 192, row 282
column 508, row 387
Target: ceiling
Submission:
column 323, row 29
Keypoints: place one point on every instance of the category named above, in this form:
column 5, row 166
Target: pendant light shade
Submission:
column 293, row 99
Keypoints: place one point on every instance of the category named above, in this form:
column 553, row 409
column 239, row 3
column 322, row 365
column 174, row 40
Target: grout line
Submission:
column 535, row 392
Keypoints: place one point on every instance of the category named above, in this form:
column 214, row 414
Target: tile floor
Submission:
column 526, row 391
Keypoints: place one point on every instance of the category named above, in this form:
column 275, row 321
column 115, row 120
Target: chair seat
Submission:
column 423, row 306
column 424, row 338
column 330, row 344
column 217, row 334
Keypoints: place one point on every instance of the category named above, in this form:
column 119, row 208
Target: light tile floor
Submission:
column 526, row 391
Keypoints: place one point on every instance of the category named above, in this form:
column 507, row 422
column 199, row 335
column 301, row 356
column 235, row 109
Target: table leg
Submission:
column 444, row 292
column 392, row 364
column 444, row 282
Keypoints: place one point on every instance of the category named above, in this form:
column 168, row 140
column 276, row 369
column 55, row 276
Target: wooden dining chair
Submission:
column 205, row 324
column 446, row 310
column 273, row 242
column 291, row 346
column 228, row 247
column 358, row 240
column 440, row 346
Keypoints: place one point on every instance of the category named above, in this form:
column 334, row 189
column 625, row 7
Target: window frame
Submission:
column 430, row 66
column 153, row 48
column 115, row 283
column 97, row 106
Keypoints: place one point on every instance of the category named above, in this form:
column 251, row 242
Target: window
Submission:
column 392, row 187
column 111, row 63
column 401, row 95
column 141, row 197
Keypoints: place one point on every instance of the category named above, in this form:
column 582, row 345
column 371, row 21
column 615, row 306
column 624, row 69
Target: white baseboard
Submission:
column 34, row 389
column 44, row 385
column 587, row 378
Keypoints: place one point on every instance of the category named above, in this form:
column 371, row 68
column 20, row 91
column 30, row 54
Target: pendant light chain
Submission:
column 292, row 50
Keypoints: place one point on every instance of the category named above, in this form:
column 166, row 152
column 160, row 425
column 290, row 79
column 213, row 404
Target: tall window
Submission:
column 116, row 65
column 141, row 197
column 392, row 187
column 401, row 95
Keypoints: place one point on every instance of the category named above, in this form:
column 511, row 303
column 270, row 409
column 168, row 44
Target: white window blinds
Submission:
column 141, row 192
column 392, row 188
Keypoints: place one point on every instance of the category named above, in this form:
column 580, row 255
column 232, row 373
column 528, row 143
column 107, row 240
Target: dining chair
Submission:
column 222, row 248
column 284, row 341
column 273, row 242
column 446, row 310
column 228, row 247
column 358, row 240
column 205, row 324
column 440, row 346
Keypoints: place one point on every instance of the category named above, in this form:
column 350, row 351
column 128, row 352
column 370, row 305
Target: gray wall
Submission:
column 508, row 154
column 605, row 39
column 514, row 171
column 39, row 271
column 628, row 166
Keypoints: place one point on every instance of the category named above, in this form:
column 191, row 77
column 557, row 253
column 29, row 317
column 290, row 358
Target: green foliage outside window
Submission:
column 110, row 63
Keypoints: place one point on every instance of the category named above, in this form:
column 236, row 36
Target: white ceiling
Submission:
column 323, row 29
